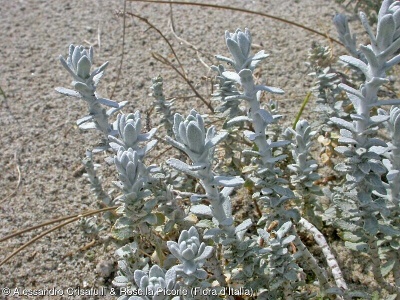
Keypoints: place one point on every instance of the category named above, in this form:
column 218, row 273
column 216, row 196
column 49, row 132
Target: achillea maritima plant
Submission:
column 204, row 244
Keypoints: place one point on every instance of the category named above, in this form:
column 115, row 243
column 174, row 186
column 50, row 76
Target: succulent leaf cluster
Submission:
column 239, row 45
column 226, row 88
column 348, row 39
column 154, row 284
column 304, row 169
column 79, row 63
column 191, row 253
column 135, row 179
column 271, row 261
column 281, row 263
column 365, row 209
column 129, row 129
column 163, row 107
column 363, row 164
column 199, row 144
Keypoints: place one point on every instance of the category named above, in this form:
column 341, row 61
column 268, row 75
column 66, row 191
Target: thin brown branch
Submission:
column 215, row 6
column 172, row 25
column 165, row 61
column 163, row 36
column 76, row 218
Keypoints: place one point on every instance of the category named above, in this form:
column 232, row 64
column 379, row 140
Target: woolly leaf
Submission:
column 181, row 166
column 240, row 230
column 212, row 233
column 195, row 138
column 122, row 229
column 334, row 291
column 108, row 102
column 238, row 119
column 260, row 55
column 244, row 43
column 228, row 181
column 263, row 234
column 364, row 167
column 216, row 139
column 371, row 225
column 226, row 59
column 344, row 150
column 370, row 56
column 284, row 229
column 387, row 266
column 351, row 90
column 235, row 51
column 356, row 100
column 83, row 88
column 343, row 123
column 375, row 142
column 248, row 270
column 356, row 63
column 68, row 92
column 197, row 198
column 385, row 102
column 392, row 175
column 265, row 116
column 389, row 230
column 121, row 281
column 201, row 209
column 362, row 247
column 88, row 125
column 84, row 66
column 395, row 244
column 84, row 119
column 350, row 237
column 341, row 167
column 283, row 191
column 270, row 89
column 208, row 250
column 385, row 31
column 346, row 140
column 293, row 214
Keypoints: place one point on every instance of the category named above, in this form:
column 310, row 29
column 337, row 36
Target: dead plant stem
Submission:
column 209, row 5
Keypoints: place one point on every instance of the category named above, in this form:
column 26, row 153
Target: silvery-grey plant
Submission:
column 348, row 39
column 361, row 205
column 192, row 255
column 154, row 284
column 273, row 259
column 163, row 107
column 392, row 160
column 129, row 260
column 225, row 88
column 280, row 262
column 135, row 179
column 79, row 63
column 95, row 180
column 129, row 128
column 304, row 171
column 266, row 175
column 199, row 144
column 267, row 178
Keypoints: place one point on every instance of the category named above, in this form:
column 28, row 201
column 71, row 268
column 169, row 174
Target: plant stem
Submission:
column 53, row 229
column 303, row 105
column 376, row 267
column 330, row 259
column 241, row 10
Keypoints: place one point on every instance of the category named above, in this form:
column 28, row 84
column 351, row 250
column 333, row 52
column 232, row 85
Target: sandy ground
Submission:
column 41, row 147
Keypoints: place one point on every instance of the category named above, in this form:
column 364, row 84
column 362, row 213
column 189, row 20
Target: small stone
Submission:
column 104, row 268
